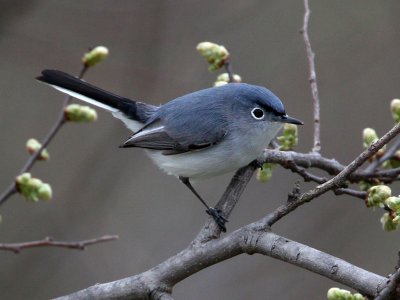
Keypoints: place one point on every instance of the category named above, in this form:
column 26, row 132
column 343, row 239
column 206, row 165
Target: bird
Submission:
column 199, row 135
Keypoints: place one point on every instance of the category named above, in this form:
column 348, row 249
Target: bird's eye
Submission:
column 257, row 113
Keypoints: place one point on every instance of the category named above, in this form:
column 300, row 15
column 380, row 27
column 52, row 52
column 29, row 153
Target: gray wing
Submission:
column 159, row 136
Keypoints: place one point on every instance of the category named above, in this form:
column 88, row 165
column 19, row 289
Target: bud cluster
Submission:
column 95, row 56
column 32, row 189
column 223, row 79
column 395, row 108
column 216, row 55
column 340, row 294
column 289, row 138
column 370, row 137
column 80, row 113
column 33, row 146
column 264, row 173
column 377, row 195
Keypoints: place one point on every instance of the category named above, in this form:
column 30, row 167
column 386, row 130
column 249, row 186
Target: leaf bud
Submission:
column 33, row 146
column 80, row 113
column 289, row 138
column 340, row 294
column 387, row 222
column 264, row 173
column 95, row 56
column 377, row 195
column 215, row 54
column 395, row 108
column 224, row 77
column 33, row 189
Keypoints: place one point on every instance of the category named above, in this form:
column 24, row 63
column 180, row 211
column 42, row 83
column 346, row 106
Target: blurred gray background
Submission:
column 100, row 189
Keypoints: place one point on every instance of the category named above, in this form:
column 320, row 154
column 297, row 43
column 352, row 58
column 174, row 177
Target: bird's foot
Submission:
column 218, row 217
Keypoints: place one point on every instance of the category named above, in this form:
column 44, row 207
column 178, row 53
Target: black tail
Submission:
column 96, row 96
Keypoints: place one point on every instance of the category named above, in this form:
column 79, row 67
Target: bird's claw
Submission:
column 218, row 217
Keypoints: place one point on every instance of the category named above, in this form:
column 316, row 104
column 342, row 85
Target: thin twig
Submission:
column 351, row 192
column 332, row 184
column 51, row 134
column 228, row 69
column 313, row 78
column 389, row 153
column 49, row 242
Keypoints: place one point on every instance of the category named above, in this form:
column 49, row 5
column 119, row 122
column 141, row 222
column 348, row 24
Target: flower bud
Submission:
column 215, row 54
column 224, row 77
column 264, row 173
column 387, row 222
column 369, row 137
column 33, row 146
column 339, row 294
column 32, row 189
column 79, row 113
column 220, row 83
column 395, row 108
column 45, row 192
column 289, row 138
column 377, row 195
column 95, row 56
column 393, row 203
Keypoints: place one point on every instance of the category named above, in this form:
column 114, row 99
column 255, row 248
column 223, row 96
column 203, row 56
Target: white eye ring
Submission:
column 257, row 113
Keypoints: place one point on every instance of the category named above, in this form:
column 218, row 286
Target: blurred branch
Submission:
column 49, row 242
column 313, row 78
column 388, row 155
column 51, row 134
column 228, row 69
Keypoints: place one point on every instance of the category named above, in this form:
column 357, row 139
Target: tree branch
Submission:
column 49, row 242
column 51, row 134
column 313, row 78
column 249, row 239
column 332, row 184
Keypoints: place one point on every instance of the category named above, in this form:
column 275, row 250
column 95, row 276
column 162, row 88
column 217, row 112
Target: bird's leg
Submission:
column 212, row 211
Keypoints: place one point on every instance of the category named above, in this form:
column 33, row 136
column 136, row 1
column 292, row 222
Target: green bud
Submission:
column 289, row 138
column 95, row 56
column 220, row 83
column 377, row 195
column 395, row 108
column 215, row 54
column 224, row 77
column 45, row 192
column 33, row 146
column 339, row 294
column 264, row 174
column 387, row 222
column 33, row 189
column 79, row 113
column 369, row 137
column 393, row 203
column 358, row 296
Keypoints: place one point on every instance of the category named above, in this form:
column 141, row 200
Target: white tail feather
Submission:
column 84, row 98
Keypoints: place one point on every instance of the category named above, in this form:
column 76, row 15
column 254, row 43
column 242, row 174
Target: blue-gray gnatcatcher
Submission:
column 199, row 135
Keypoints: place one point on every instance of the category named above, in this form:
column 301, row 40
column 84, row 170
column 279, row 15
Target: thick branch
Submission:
column 249, row 240
column 49, row 242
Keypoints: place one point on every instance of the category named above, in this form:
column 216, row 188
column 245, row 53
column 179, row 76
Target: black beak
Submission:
column 287, row 119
